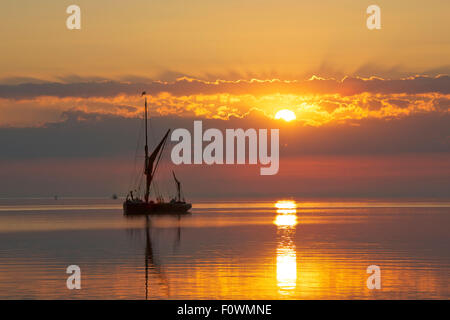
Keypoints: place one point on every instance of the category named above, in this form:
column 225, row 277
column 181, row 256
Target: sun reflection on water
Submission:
column 286, row 220
column 285, row 204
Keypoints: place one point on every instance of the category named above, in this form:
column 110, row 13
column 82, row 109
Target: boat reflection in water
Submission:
column 152, row 263
column 286, row 220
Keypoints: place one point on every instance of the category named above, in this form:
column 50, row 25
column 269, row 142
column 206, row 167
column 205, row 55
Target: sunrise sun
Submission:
column 286, row 115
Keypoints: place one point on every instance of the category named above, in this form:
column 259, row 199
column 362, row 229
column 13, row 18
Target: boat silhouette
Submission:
column 134, row 205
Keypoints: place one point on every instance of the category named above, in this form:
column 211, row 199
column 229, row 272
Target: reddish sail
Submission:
column 149, row 171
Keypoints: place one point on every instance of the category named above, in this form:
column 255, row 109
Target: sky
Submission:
column 372, row 106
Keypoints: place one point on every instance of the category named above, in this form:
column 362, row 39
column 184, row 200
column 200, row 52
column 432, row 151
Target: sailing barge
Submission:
column 136, row 206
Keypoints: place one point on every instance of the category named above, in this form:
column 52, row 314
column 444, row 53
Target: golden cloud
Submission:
column 315, row 101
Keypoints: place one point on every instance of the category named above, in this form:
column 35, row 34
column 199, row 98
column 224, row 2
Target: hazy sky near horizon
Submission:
column 372, row 106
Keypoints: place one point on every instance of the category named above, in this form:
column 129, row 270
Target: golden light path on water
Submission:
column 286, row 220
column 285, row 204
column 224, row 250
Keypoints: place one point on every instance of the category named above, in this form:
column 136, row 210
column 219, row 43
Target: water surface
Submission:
column 227, row 250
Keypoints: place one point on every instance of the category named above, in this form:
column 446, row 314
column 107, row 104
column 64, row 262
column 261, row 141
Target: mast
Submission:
column 146, row 136
column 150, row 160
column 147, row 185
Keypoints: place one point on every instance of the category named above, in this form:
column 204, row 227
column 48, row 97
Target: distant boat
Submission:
column 134, row 204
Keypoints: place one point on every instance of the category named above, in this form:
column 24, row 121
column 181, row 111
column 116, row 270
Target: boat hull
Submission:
column 143, row 208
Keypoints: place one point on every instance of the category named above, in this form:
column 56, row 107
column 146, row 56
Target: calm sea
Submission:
column 226, row 250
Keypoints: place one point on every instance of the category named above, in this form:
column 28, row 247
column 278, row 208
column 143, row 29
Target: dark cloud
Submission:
column 91, row 154
column 401, row 103
column 188, row 86
column 98, row 135
column 442, row 104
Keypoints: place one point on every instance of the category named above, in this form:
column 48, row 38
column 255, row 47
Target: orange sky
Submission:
column 284, row 39
column 70, row 98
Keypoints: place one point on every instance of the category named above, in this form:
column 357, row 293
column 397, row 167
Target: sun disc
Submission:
column 286, row 115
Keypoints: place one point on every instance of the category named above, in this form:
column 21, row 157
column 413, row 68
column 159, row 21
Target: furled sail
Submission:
column 178, row 186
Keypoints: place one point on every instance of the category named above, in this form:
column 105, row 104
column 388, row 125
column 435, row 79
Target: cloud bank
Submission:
column 189, row 86
column 316, row 101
